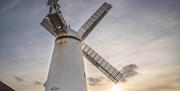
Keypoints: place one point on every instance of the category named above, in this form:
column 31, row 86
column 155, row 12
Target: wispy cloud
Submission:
column 129, row 71
column 95, row 81
column 19, row 79
column 38, row 83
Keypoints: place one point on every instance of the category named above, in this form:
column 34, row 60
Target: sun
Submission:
column 116, row 88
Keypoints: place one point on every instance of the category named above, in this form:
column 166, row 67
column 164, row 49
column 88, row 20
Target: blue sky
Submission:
column 141, row 32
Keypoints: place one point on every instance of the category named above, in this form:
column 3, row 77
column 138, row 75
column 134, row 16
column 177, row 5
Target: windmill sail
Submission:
column 101, row 64
column 94, row 20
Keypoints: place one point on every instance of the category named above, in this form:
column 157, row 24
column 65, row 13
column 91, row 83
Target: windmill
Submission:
column 66, row 71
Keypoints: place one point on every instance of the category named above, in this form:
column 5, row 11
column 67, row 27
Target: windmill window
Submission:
column 84, row 75
column 58, row 41
column 61, row 42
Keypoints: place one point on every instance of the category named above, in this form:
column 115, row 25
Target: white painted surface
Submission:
column 66, row 71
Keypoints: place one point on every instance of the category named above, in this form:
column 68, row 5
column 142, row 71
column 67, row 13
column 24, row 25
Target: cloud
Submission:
column 129, row 71
column 19, row 79
column 95, row 81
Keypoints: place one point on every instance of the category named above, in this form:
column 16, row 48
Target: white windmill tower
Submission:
column 66, row 71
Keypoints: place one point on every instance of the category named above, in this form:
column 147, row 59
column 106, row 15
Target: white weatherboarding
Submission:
column 66, row 71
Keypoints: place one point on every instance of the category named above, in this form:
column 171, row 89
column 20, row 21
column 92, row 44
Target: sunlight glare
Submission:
column 116, row 88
